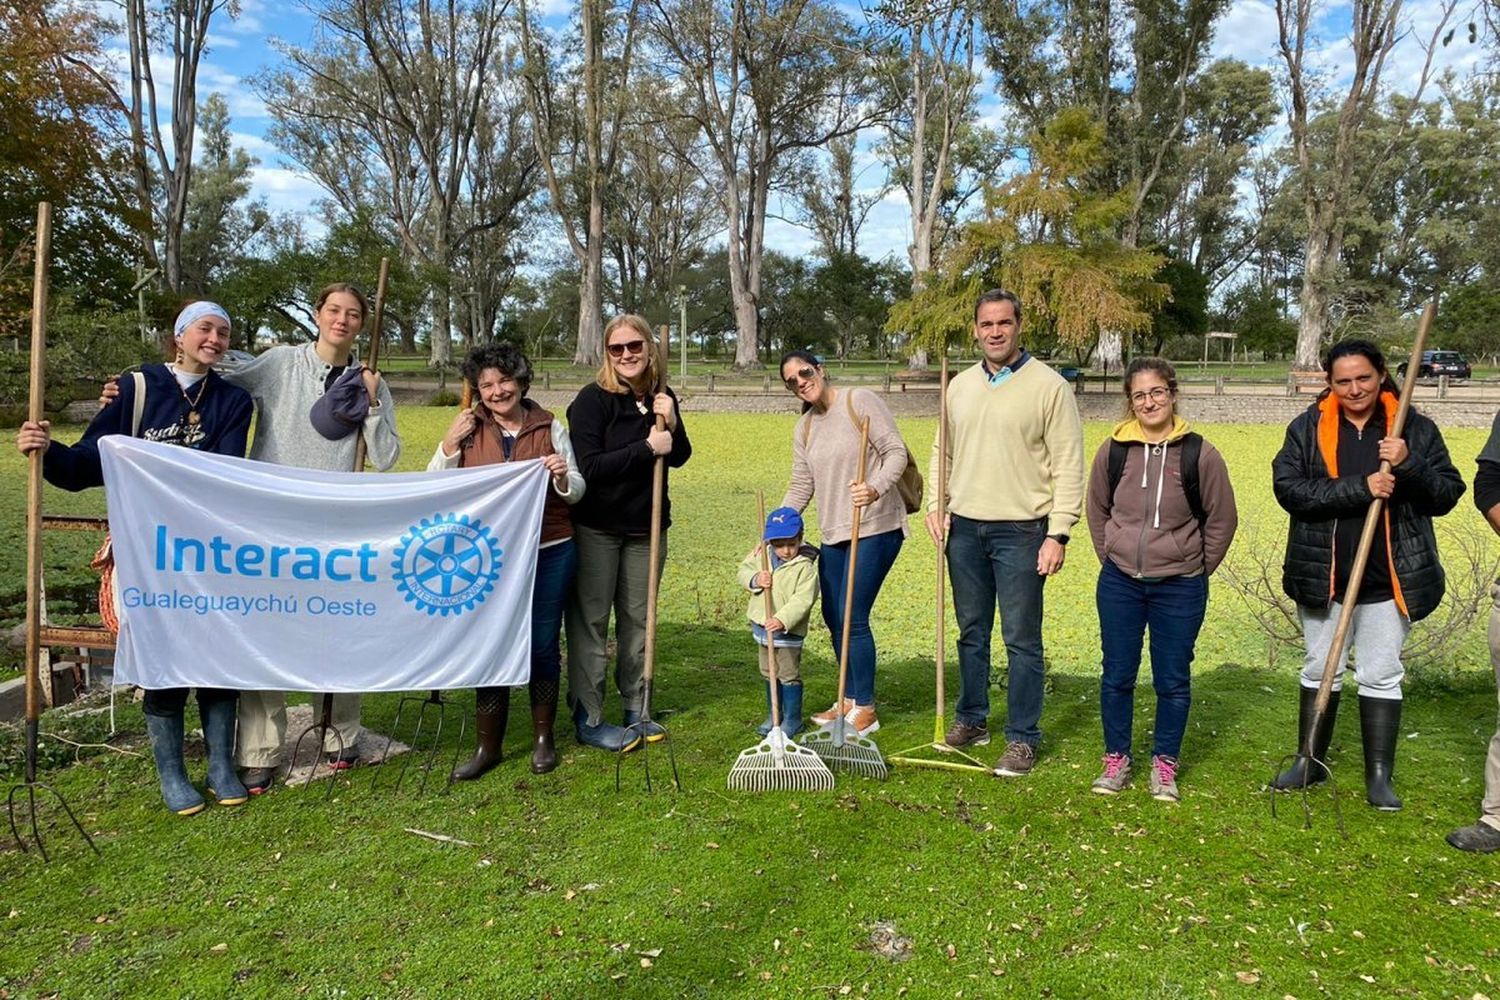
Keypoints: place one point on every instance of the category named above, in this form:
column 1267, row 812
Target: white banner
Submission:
column 239, row 574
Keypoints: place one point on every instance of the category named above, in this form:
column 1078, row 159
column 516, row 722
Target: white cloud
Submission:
column 1247, row 33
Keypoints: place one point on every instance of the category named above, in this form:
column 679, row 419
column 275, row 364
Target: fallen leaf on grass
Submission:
column 711, row 846
column 651, row 953
column 1248, row 978
column 220, row 948
column 1368, row 979
column 889, row 943
column 952, row 952
column 645, row 963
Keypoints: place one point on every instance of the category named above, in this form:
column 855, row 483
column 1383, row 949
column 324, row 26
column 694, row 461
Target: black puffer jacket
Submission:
column 1427, row 486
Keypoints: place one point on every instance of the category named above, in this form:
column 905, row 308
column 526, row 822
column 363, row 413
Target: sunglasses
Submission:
column 802, row 374
column 633, row 346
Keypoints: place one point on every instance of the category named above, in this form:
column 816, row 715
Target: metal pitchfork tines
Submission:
column 31, row 786
column 1336, row 650
column 777, row 762
column 435, row 704
column 321, row 728
column 644, row 727
column 837, row 742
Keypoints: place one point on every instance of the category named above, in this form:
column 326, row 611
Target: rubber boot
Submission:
column 166, row 747
column 1297, row 775
column 1379, row 727
column 791, row 708
column 605, row 736
column 764, row 728
column 218, row 715
column 543, row 718
column 491, row 706
column 650, row 730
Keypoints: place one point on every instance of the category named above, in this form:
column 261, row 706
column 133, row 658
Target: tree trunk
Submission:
column 591, row 310
column 1312, row 327
column 441, row 341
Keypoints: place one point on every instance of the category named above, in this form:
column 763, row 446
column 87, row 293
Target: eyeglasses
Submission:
column 1156, row 394
column 633, row 346
column 801, row 374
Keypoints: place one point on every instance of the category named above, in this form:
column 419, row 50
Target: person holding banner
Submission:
column 184, row 403
column 308, row 417
column 613, row 424
column 1325, row 476
column 508, row 427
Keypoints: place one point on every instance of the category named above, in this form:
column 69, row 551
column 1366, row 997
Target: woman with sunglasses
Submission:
column 1161, row 515
column 825, row 464
column 613, row 425
column 184, row 403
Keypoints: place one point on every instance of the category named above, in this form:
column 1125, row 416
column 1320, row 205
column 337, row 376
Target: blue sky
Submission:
column 242, row 47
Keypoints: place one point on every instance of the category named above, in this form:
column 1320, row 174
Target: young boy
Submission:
column 794, row 587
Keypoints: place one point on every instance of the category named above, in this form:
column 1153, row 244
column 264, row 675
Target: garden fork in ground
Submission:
column 432, row 716
column 1306, row 754
column 27, row 790
column 320, row 730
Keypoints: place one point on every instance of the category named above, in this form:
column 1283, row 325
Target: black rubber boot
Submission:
column 543, row 719
column 166, row 748
column 1297, row 775
column 491, row 706
column 1379, row 727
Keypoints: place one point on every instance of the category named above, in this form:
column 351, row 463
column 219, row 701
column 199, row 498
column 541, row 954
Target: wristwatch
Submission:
column 1059, row 539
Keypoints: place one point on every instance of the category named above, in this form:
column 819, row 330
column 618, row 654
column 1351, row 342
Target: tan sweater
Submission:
column 825, row 460
column 1015, row 450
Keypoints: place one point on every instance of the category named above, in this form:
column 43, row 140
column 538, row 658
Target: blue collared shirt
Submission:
column 1003, row 375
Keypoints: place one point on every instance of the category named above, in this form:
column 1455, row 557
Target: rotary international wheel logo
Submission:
column 447, row 565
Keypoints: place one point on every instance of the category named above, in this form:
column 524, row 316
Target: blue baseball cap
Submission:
column 783, row 522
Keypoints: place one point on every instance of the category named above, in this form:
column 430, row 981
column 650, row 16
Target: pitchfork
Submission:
column 31, row 786
column 644, row 728
column 1346, row 613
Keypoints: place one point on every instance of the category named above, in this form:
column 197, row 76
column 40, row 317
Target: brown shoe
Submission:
column 961, row 735
column 863, row 719
column 1017, row 761
column 837, row 709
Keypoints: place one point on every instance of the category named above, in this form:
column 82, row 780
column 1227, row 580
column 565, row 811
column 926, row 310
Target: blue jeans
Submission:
column 1172, row 609
column 555, row 566
column 990, row 562
column 877, row 553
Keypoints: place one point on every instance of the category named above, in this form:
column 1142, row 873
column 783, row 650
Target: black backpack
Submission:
column 1192, row 448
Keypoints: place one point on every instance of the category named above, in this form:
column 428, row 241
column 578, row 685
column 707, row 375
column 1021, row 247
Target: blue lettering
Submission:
column 247, row 559
column 333, row 572
column 221, row 549
column 277, row 551
column 182, row 545
column 161, row 548
column 308, row 562
column 367, row 555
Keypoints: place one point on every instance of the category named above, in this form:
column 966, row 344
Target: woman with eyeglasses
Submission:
column 1326, row 474
column 613, row 425
column 825, row 464
column 1161, row 515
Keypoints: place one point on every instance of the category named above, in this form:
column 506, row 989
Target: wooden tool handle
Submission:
column 864, row 443
column 765, row 566
column 658, row 493
column 35, row 410
column 373, row 357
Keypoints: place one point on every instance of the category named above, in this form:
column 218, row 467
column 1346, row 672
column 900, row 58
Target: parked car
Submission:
column 1435, row 363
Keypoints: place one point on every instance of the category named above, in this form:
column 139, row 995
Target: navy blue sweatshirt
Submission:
column 609, row 433
column 223, row 426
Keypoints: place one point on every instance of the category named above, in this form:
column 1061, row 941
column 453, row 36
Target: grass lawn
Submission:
column 987, row 887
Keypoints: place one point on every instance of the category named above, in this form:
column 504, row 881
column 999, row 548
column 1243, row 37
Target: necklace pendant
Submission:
column 193, row 418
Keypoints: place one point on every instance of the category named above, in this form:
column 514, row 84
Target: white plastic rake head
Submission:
column 777, row 764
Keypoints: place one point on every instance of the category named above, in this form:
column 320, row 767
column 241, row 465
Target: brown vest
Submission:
column 533, row 440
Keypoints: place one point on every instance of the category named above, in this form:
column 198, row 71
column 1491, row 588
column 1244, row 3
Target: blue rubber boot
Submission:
column 604, row 736
column 166, row 747
column 652, row 732
column 218, row 715
column 765, row 727
column 791, row 709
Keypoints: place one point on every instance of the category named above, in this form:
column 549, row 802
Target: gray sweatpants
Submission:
column 1376, row 635
column 612, row 576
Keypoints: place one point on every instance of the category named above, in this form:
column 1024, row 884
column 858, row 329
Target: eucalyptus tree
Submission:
column 1327, row 159
column 388, row 106
column 762, row 80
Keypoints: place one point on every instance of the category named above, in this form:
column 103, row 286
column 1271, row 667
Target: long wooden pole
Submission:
column 372, row 360
column 1366, row 538
column 35, row 413
column 942, row 549
column 653, row 571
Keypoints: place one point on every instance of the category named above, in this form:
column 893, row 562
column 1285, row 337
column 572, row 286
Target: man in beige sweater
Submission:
column 1015, row 490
